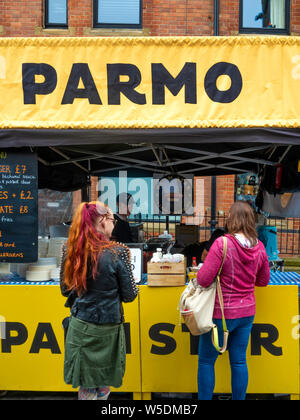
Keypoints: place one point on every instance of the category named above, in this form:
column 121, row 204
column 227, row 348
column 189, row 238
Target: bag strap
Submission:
column 215, row 337
column 224, row 254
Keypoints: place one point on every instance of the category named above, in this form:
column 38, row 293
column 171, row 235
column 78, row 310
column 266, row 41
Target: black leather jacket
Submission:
column 114, row 284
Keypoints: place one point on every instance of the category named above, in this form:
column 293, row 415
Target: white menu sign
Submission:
column 136, row 263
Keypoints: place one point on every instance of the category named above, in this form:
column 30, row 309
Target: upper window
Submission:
column 265, row 16
column 56, row 14
column 118, row 13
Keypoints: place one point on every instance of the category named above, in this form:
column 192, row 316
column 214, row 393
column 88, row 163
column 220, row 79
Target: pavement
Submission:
column 24, row 395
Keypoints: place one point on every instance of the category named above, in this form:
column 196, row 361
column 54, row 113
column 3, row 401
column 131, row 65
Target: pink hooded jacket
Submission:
column 243, row 269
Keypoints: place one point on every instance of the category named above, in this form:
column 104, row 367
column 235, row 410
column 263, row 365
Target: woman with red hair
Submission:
column 96, row 277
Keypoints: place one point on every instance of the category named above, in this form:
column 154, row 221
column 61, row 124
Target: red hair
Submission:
column 85, row 245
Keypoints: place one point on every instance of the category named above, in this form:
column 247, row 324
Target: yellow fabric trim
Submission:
column 146, row 124
column 167, row 40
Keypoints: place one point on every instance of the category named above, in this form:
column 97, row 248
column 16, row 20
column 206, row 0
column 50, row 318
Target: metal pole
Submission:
column 213, row 221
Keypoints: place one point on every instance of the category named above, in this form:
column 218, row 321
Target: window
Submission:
column 265, row 16
column 56, row 14
column 118, row 13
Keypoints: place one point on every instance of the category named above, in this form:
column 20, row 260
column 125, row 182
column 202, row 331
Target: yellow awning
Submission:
column 149, row 82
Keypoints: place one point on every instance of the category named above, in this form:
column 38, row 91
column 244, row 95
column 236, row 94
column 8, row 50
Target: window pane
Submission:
column 277, row 14
column 251, row 8
column 119, row 11
column 264, row 14
column 57, row 11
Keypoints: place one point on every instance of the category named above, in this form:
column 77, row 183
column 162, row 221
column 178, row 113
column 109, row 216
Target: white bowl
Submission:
column 41, row 267
column 46, row 261
column 55, row 274
column 37, row 275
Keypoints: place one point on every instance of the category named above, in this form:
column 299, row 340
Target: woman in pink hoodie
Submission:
column 246, row 266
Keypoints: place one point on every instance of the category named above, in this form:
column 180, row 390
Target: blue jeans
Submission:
column 239, row 333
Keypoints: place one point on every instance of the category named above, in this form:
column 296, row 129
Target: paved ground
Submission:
column 18, row 395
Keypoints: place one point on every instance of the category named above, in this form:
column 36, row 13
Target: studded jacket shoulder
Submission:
column 114, row 284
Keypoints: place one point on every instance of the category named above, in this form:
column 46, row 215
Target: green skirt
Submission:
column 95, row 355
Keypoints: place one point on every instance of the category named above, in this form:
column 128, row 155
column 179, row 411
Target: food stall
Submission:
column 80, row 107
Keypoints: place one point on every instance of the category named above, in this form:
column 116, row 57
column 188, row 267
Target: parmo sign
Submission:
column 168, row 82
column 116, row 73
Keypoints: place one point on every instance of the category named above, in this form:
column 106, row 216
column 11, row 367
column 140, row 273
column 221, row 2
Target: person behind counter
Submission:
column 208, row 244
column 96, row 277
column 246, row 266
column 200, row 249
column 122, row 232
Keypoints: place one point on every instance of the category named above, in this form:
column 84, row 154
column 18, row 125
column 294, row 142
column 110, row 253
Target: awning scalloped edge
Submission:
column 149, row 124
column 168, row 40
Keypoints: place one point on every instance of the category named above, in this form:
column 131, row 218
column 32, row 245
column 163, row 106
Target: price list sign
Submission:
column 18, row 207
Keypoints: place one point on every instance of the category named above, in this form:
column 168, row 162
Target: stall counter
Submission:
column 161, row 354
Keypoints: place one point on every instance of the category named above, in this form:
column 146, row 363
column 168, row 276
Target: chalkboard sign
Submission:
column 18, row 207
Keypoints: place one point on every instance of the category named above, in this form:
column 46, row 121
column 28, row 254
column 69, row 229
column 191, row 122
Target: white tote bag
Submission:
column 197, row 304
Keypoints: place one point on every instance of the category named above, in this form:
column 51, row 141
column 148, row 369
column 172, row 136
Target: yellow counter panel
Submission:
column 161, row 354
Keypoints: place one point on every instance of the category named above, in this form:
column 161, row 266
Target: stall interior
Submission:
column 271, row 169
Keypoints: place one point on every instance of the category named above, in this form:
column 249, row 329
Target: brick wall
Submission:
column 93, row 193
column 225, row 186
column 229, row 17
column 295, row 17
column 160, row 18
column 18, row 18
column 225, row 193
column 177, row 17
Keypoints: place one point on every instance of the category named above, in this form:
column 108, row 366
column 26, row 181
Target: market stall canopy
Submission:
column 200, row 105
column 72, row 165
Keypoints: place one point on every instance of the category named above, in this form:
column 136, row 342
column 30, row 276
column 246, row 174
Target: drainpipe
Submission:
column 213, row 221
column 216, row 17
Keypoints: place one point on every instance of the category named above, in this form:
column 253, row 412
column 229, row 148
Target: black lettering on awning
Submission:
column 81, row 71
column 161, row 78
column 30, row 87
column 210, row 82
column 115, row 87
